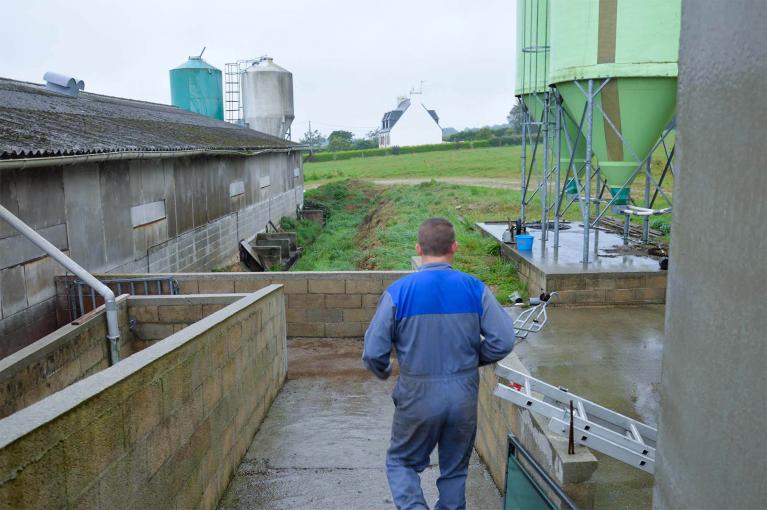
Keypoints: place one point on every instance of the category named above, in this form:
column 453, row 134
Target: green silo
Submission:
column 196, row 86
column 635, row 43
column 532, row 80
column 532, row 54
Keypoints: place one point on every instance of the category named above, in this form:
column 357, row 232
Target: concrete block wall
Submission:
column 594, row 288
column 164, row 428
column 59, row 359
column 608, row 288
column 215, row 244
column 333, row 304
column 155, row 318
column 497, row 418
column 160, row 215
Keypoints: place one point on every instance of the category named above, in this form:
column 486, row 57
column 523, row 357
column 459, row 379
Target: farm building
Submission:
column 406, row 126
column 126, row 186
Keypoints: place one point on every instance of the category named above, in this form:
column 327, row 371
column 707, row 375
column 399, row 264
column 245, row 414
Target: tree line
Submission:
column 339, row 140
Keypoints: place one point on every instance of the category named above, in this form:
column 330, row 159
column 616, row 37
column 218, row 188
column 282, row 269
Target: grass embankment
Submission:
column 372, row 227
column 493, row 163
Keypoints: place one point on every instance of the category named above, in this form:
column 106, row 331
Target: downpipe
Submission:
column 113, row 331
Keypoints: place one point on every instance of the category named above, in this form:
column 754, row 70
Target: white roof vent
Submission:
column 63, row 84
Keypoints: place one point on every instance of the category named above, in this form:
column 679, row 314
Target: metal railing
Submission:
column 84, row 298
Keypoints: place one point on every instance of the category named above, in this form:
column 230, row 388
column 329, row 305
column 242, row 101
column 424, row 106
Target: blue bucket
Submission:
column 524, row 242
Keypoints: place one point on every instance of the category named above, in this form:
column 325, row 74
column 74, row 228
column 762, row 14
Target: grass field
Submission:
column 500, row 162
column 373, row 227
column 492, row 162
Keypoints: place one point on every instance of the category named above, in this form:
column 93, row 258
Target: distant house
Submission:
column 411, row 123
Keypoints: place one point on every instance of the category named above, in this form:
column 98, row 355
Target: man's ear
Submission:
column 454, row 247
column 418, row 249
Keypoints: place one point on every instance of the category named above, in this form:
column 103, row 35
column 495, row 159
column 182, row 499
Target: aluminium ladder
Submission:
column 596, row 427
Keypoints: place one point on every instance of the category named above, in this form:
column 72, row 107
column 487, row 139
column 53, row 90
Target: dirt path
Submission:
column 485, row 182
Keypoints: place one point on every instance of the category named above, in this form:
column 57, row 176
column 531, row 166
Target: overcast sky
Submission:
column 350, row 59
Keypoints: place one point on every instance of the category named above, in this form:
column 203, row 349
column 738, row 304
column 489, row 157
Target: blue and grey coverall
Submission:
column 434, row 319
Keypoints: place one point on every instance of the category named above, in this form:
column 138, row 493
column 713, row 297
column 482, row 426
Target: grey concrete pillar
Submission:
column 712, row 450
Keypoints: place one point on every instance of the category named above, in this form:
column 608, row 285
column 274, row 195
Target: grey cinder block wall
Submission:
column 711, row 450
column 177, row 214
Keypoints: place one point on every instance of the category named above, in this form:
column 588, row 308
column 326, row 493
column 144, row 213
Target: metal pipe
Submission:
column 544, row 175
column 589, row 155
column 647, row 184
column 558, row 160
column 116, row 156
column 523, row 157
column 600, row 188
column 113, row 331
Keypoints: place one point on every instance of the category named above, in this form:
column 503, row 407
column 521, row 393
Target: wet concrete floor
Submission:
column 612, row 356
column 324, row 441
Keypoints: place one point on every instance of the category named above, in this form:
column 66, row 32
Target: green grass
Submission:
column 375, row 228
column 493, row 162
column 487, row 163
column 500, row 162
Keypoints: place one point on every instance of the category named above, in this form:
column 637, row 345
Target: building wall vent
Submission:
column 63, row 84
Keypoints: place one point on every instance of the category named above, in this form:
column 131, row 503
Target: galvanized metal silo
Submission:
column 631, row 47
column 196, row 86
column 267, row 98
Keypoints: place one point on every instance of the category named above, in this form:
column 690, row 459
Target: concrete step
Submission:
column 266, row 238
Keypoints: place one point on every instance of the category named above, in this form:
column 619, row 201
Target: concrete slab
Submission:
column 607, row 252
column 616, row 274
column 611, row 355
column 324, row 441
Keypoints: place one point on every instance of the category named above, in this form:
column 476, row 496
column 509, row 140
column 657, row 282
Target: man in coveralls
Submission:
column 434, row 319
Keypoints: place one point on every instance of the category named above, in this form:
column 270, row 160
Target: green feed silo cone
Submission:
column 196, row 86
column 639, row 108
column 634, row 43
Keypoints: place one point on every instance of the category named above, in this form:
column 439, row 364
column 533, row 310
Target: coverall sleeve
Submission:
column 497, row 327
column 378, row 338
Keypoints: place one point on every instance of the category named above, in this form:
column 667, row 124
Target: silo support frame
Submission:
column 650, row 182
column 590, row 89
column 537, row 136
column 571, row 171
column 548, row 169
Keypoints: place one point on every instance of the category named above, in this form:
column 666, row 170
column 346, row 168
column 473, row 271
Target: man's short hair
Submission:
column 436, row 236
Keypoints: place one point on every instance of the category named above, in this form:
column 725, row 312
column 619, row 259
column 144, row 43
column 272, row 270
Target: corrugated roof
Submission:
column 35, row 122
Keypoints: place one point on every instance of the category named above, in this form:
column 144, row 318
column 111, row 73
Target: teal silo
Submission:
column 196, row 86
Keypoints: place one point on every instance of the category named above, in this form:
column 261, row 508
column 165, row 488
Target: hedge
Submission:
column 319, row 157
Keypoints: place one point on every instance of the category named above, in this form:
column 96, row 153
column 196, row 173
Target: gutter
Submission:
column 113, row 331
column 36, row 162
